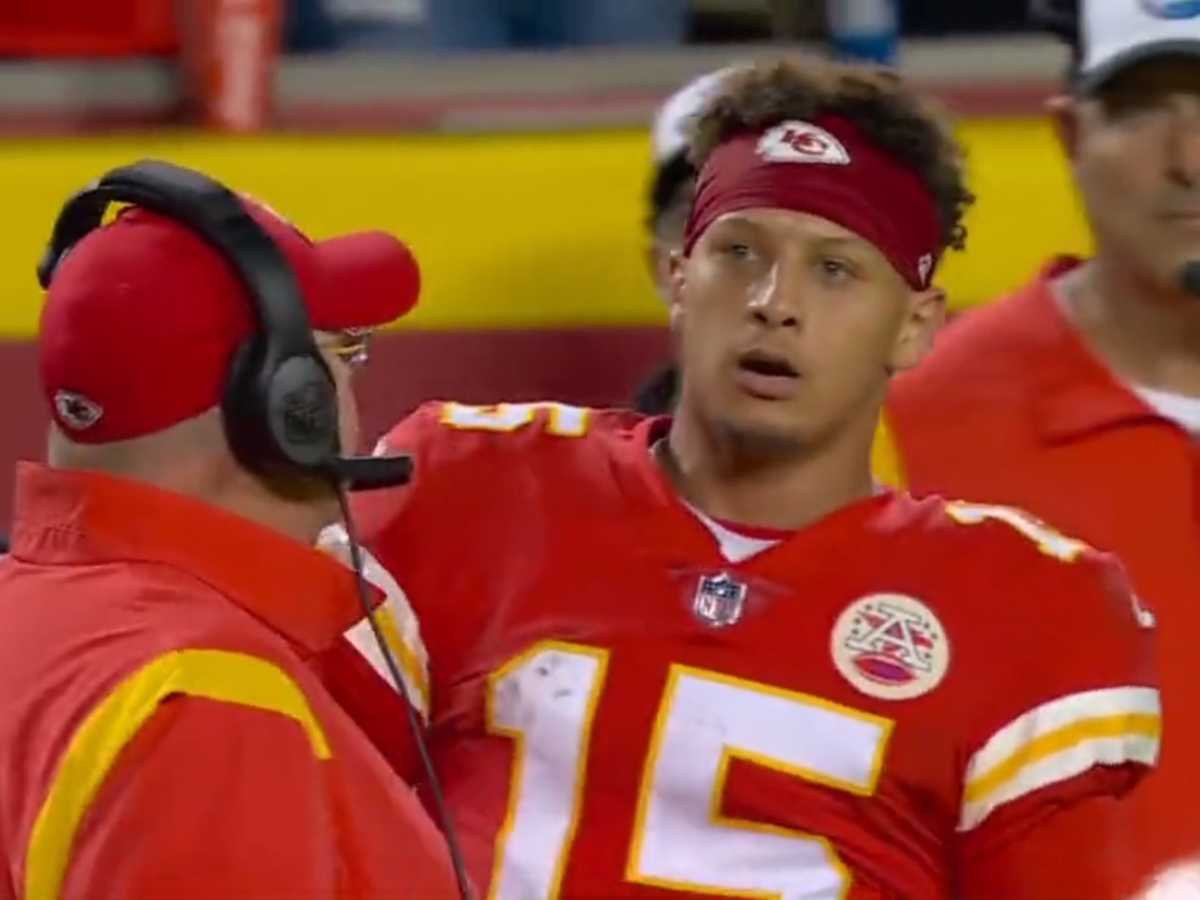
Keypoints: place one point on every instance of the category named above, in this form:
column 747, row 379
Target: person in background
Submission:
column 162, row 735
column 1077, row 396
column 670, row 199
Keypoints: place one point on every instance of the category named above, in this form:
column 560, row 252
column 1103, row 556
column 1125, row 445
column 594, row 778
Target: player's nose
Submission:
column 777, row 301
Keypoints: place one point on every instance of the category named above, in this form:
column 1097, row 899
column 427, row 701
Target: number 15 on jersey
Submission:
column 680, row 839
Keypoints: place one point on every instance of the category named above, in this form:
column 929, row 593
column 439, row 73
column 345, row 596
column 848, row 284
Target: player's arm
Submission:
column 358, row 676
column 205, row 798
column 392, row 527
column 412, row 537
column 1042, row 815
column 389, row 521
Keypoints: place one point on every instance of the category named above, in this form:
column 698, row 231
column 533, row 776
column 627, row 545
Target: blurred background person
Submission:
column 1077, row 396
column 672, row 184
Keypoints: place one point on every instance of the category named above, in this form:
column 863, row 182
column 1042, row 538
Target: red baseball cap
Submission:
column 142, row 319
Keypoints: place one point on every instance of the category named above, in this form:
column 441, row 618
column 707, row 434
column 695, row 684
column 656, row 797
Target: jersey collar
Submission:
column 672, row 532
column 1075, row 393
column 81, row 518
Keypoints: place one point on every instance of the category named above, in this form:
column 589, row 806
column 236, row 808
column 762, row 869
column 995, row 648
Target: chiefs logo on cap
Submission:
column 802, row 142
column 76, row 411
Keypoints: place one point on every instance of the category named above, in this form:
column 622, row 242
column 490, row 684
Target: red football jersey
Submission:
column 908, row 699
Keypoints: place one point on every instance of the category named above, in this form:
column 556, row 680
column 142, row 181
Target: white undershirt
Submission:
column 734, row 547
column 1181, row 409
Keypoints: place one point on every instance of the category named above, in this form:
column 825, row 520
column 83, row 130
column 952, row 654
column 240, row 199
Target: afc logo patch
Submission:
column 890, row 646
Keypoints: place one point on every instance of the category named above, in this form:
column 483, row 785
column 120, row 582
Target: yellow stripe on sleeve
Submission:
column 1059, row 741
column 224, row 676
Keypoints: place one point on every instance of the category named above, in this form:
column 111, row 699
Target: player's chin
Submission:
column 765, row 426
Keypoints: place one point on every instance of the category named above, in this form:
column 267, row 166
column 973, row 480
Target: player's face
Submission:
column 343, row 353
column 1135, row 149
column 789, row 327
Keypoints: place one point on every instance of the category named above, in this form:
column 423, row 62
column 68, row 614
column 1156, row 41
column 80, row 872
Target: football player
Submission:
column 705, row 656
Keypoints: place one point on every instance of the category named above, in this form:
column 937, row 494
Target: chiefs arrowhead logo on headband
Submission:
column 802, row 142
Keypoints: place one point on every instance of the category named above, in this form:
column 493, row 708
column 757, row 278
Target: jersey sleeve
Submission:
column 227, row 800
column 388, row 521
column 358, row 674
column 394, row 527
column 465, row 461
column 1041, row 814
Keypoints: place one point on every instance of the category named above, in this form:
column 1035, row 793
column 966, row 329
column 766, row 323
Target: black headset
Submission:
column 280, row 402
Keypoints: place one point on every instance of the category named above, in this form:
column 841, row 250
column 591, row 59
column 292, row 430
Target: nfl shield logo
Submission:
column 719, row 600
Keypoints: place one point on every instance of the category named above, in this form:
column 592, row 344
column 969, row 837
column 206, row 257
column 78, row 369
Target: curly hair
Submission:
column 890, row 114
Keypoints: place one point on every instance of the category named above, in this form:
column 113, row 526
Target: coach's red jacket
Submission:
column 160, row 735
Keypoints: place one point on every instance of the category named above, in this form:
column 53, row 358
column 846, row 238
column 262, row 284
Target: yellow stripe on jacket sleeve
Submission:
column 1058, row 741
column 226, row 677
column 886, row 465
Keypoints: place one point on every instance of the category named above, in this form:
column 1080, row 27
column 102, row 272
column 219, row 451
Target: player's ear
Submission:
column 1064, row 119
column 925, row 317
column 676, row 285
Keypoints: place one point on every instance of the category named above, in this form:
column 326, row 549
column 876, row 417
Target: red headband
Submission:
column 830, row 169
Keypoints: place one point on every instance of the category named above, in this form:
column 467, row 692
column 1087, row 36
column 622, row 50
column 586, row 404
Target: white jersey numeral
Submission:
column 563, row 420
column 546, row 701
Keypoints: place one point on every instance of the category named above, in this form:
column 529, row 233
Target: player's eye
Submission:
column 834, row 269
column 737, row 250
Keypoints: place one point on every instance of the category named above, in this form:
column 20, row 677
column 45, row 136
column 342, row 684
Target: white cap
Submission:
column 1115, row 34
column 670, row 132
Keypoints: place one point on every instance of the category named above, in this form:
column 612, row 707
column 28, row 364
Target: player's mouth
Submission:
column 766, row 376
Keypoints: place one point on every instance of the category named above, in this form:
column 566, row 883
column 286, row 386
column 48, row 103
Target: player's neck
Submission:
column 1148, row 340
column 730, row 484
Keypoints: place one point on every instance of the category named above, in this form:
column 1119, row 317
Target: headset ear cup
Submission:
column 302, row 412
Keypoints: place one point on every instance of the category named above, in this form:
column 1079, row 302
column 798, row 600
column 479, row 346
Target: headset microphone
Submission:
column 371, row 473
column 1189, row 278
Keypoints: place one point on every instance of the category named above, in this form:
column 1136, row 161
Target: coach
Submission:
column 162, row 736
